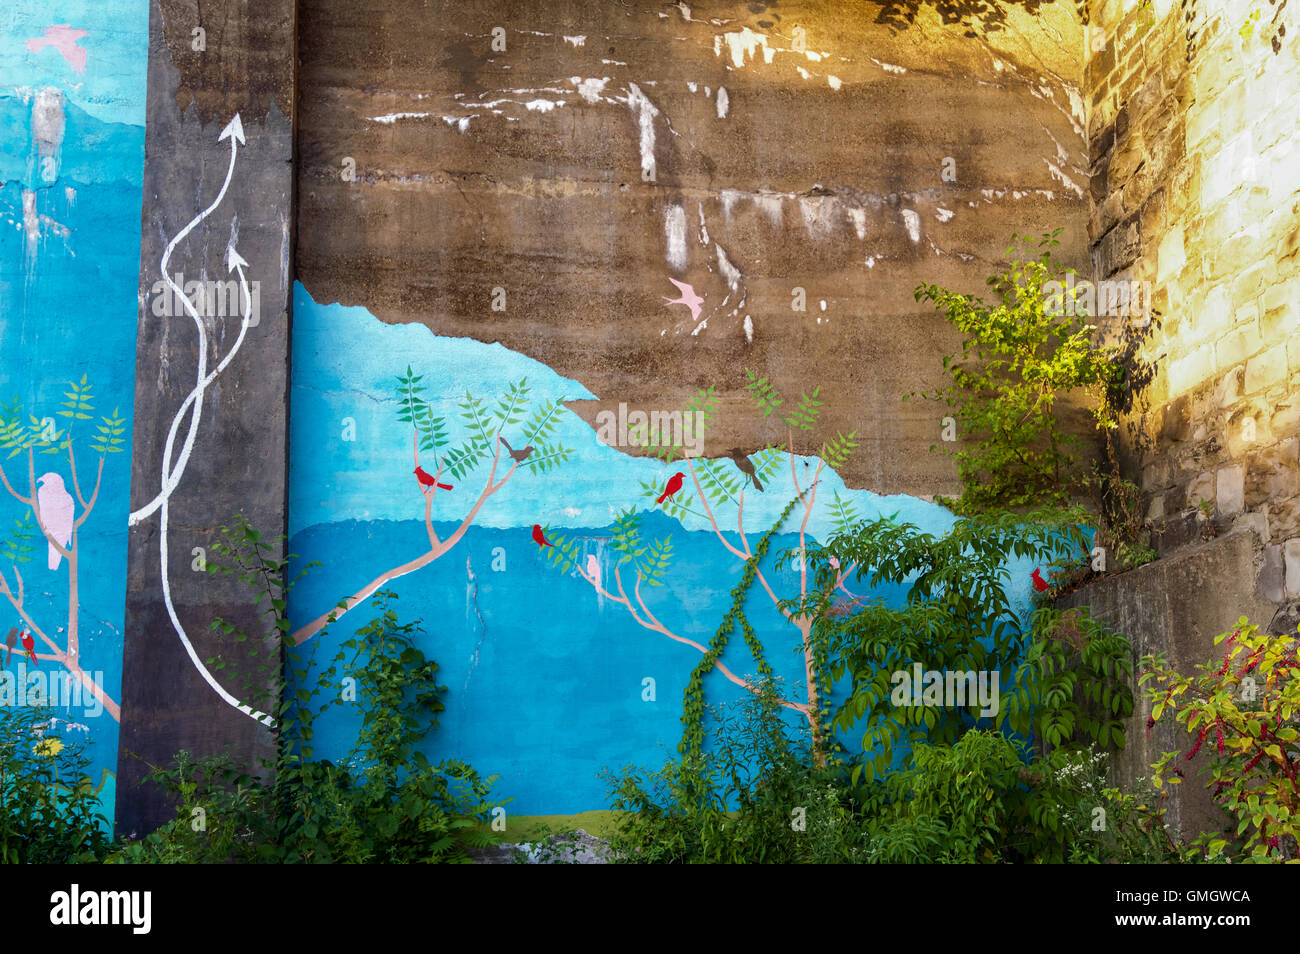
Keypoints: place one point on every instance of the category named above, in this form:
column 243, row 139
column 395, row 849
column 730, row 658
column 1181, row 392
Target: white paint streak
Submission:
column 692, row 86
column 590, row 89
column 834, row 81
column 770, row 205
column 723, row 101
column 743, row 45
column 543, row 105
column 675, row 231
column 391, row 118
column 1065, row 180
column 859, row 219
column 803, row 72
column 576, row 40
column 460, row 122
column 704, row 229
column 943, row 215
column 888, row 67
column 749, row 330
column 729, row 198
column 913, row 222
column 645, row 113
column 729, row 271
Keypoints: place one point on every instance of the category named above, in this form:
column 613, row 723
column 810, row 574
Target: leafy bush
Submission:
column 1018, row 359
column 49, row 810
column 1246, row 708
column 385, row 802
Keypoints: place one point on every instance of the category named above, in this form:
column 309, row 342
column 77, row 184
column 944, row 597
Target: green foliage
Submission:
column 49, row 809
column 957, row 616
column 18, row 545
column 753, row 796
column 1246, row 707
column 483, row 423
column 1018, row 359
column 986, row 799
column 385, row 802
column 1073, row 685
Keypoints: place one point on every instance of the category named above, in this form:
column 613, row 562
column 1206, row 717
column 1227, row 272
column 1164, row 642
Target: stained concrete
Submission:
column 1177, row 606
column 239, row 460
column 595, row 158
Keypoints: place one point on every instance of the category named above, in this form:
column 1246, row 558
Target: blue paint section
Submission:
column 546, row 678
column 71, row 164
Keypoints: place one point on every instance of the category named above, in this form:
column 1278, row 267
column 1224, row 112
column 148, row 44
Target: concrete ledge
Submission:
column 1177, row 606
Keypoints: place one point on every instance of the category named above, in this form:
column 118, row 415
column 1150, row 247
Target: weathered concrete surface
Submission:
column 1177, row 606
column 596, row 157
column 238, row 463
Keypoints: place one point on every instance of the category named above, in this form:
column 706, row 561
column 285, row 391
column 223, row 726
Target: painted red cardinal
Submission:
column 29, row 644
column 427, row 481
column 674, row 485
column 539, row 538
column 1040, row 584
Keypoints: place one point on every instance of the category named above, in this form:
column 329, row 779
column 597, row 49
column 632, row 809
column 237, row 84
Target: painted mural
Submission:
column 72, row 94
column 566, row 588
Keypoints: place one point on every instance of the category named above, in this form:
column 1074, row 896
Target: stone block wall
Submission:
column 1193, row 126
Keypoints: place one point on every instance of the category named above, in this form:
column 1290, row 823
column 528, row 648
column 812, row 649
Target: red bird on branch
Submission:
column 29, row 644
column 540, row 538
column 427, row 481
column 1040, row 584
column 674, row 485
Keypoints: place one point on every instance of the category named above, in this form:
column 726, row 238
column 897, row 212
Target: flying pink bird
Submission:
column 689, row 298
column 54, row 505
column 63, row 38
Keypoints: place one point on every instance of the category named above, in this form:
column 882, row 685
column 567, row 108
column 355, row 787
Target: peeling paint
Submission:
column 749, row 330
column 834, row 82
column 675, row 231
column 913, row 222
column 590, row 89
column 943, row 215
column 729, row 272
column 577, row 41
column 743, row 45
column 645, row 113
column 818, row 214
column 391, row 118
column 723, row 101
column 859, row 219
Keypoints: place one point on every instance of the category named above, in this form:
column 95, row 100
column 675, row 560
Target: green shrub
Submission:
column 49, row 809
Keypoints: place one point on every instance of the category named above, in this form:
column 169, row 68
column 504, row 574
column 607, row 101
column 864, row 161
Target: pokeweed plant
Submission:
column 1245, row 708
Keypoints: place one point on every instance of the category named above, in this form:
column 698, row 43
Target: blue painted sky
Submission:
column 117, row 53
column 545, row 676
column 68, row 300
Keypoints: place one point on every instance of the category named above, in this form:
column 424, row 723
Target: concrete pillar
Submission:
column 202, row 75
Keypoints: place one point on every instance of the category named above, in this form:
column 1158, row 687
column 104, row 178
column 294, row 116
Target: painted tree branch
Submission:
column 652, row 623
column 436, row 548
column 70, row 657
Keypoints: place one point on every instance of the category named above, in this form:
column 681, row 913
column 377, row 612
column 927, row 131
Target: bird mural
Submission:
column 593, row 568
column 63, row 38
column 10, row 642
column 1040, row 584
column 688, row 298
column 427, row 481
column 746, row 467
column 29, row 646
column 540, row 538
column 518, row 455
column 55, row 508
column 674, row 485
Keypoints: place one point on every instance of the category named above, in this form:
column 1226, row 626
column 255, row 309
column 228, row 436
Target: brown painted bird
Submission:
column 519, row 455
column 674, row 485
column 10, row 642
column 540, row 538
column 427, row 481
column 746, row 467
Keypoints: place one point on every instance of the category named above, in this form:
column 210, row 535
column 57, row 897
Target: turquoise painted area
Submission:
column 69, row 260
column 546, row 678
column 116, row 45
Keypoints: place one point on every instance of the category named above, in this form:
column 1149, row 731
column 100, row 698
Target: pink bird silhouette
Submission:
column 63, row 38
column 689, row 298
column 55, row 508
